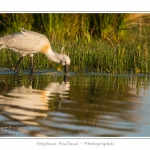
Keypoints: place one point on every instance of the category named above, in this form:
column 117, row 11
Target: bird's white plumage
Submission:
column 29, row 42
column 25, row 42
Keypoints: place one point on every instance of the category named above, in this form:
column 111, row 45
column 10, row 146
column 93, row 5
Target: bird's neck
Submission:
column 54, row 56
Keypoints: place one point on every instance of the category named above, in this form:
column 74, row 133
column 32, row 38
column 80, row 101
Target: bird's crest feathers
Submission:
column 62, row 50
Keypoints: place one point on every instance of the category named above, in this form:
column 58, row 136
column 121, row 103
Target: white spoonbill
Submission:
column 29, row 42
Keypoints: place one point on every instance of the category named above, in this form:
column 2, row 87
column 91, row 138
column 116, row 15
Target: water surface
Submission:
column 49, row 104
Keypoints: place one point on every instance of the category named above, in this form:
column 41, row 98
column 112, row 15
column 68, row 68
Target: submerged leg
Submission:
column 31, row 62
column 18, row 62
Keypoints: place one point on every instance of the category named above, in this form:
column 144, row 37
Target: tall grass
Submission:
column 112, row 43
column 99, row 56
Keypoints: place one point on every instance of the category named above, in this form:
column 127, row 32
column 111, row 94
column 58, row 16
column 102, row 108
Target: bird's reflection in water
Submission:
column 87, row 106
column 26, row 104
column 66, row 78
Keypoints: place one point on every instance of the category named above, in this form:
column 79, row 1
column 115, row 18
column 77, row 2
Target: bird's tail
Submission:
column 3, row 41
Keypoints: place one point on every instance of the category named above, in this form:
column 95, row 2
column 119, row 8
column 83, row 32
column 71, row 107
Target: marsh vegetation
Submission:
column 102, row 43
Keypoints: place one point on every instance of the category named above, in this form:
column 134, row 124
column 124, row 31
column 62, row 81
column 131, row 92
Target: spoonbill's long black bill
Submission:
column 66, row 68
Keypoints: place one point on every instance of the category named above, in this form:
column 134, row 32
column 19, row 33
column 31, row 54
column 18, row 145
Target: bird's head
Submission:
column 65, row 62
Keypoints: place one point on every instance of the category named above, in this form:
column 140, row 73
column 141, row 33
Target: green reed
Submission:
column 112, row 43
column 98, row 56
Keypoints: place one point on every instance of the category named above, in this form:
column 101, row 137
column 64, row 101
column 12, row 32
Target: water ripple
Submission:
column 82, row 106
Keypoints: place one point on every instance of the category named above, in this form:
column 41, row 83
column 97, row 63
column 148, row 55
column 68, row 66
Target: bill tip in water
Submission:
column 66, row 68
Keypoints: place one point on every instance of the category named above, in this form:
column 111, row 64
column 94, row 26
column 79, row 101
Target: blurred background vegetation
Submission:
column 97, row 42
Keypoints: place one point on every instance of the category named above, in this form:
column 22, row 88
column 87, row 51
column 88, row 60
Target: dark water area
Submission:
column 49, row 104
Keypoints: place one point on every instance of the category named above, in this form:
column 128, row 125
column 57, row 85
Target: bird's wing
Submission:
column 24, row 42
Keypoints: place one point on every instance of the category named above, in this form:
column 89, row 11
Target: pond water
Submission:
column 49, row 104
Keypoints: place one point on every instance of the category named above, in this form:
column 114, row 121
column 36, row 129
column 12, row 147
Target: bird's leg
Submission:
column 31, row 62
column 18, row 62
